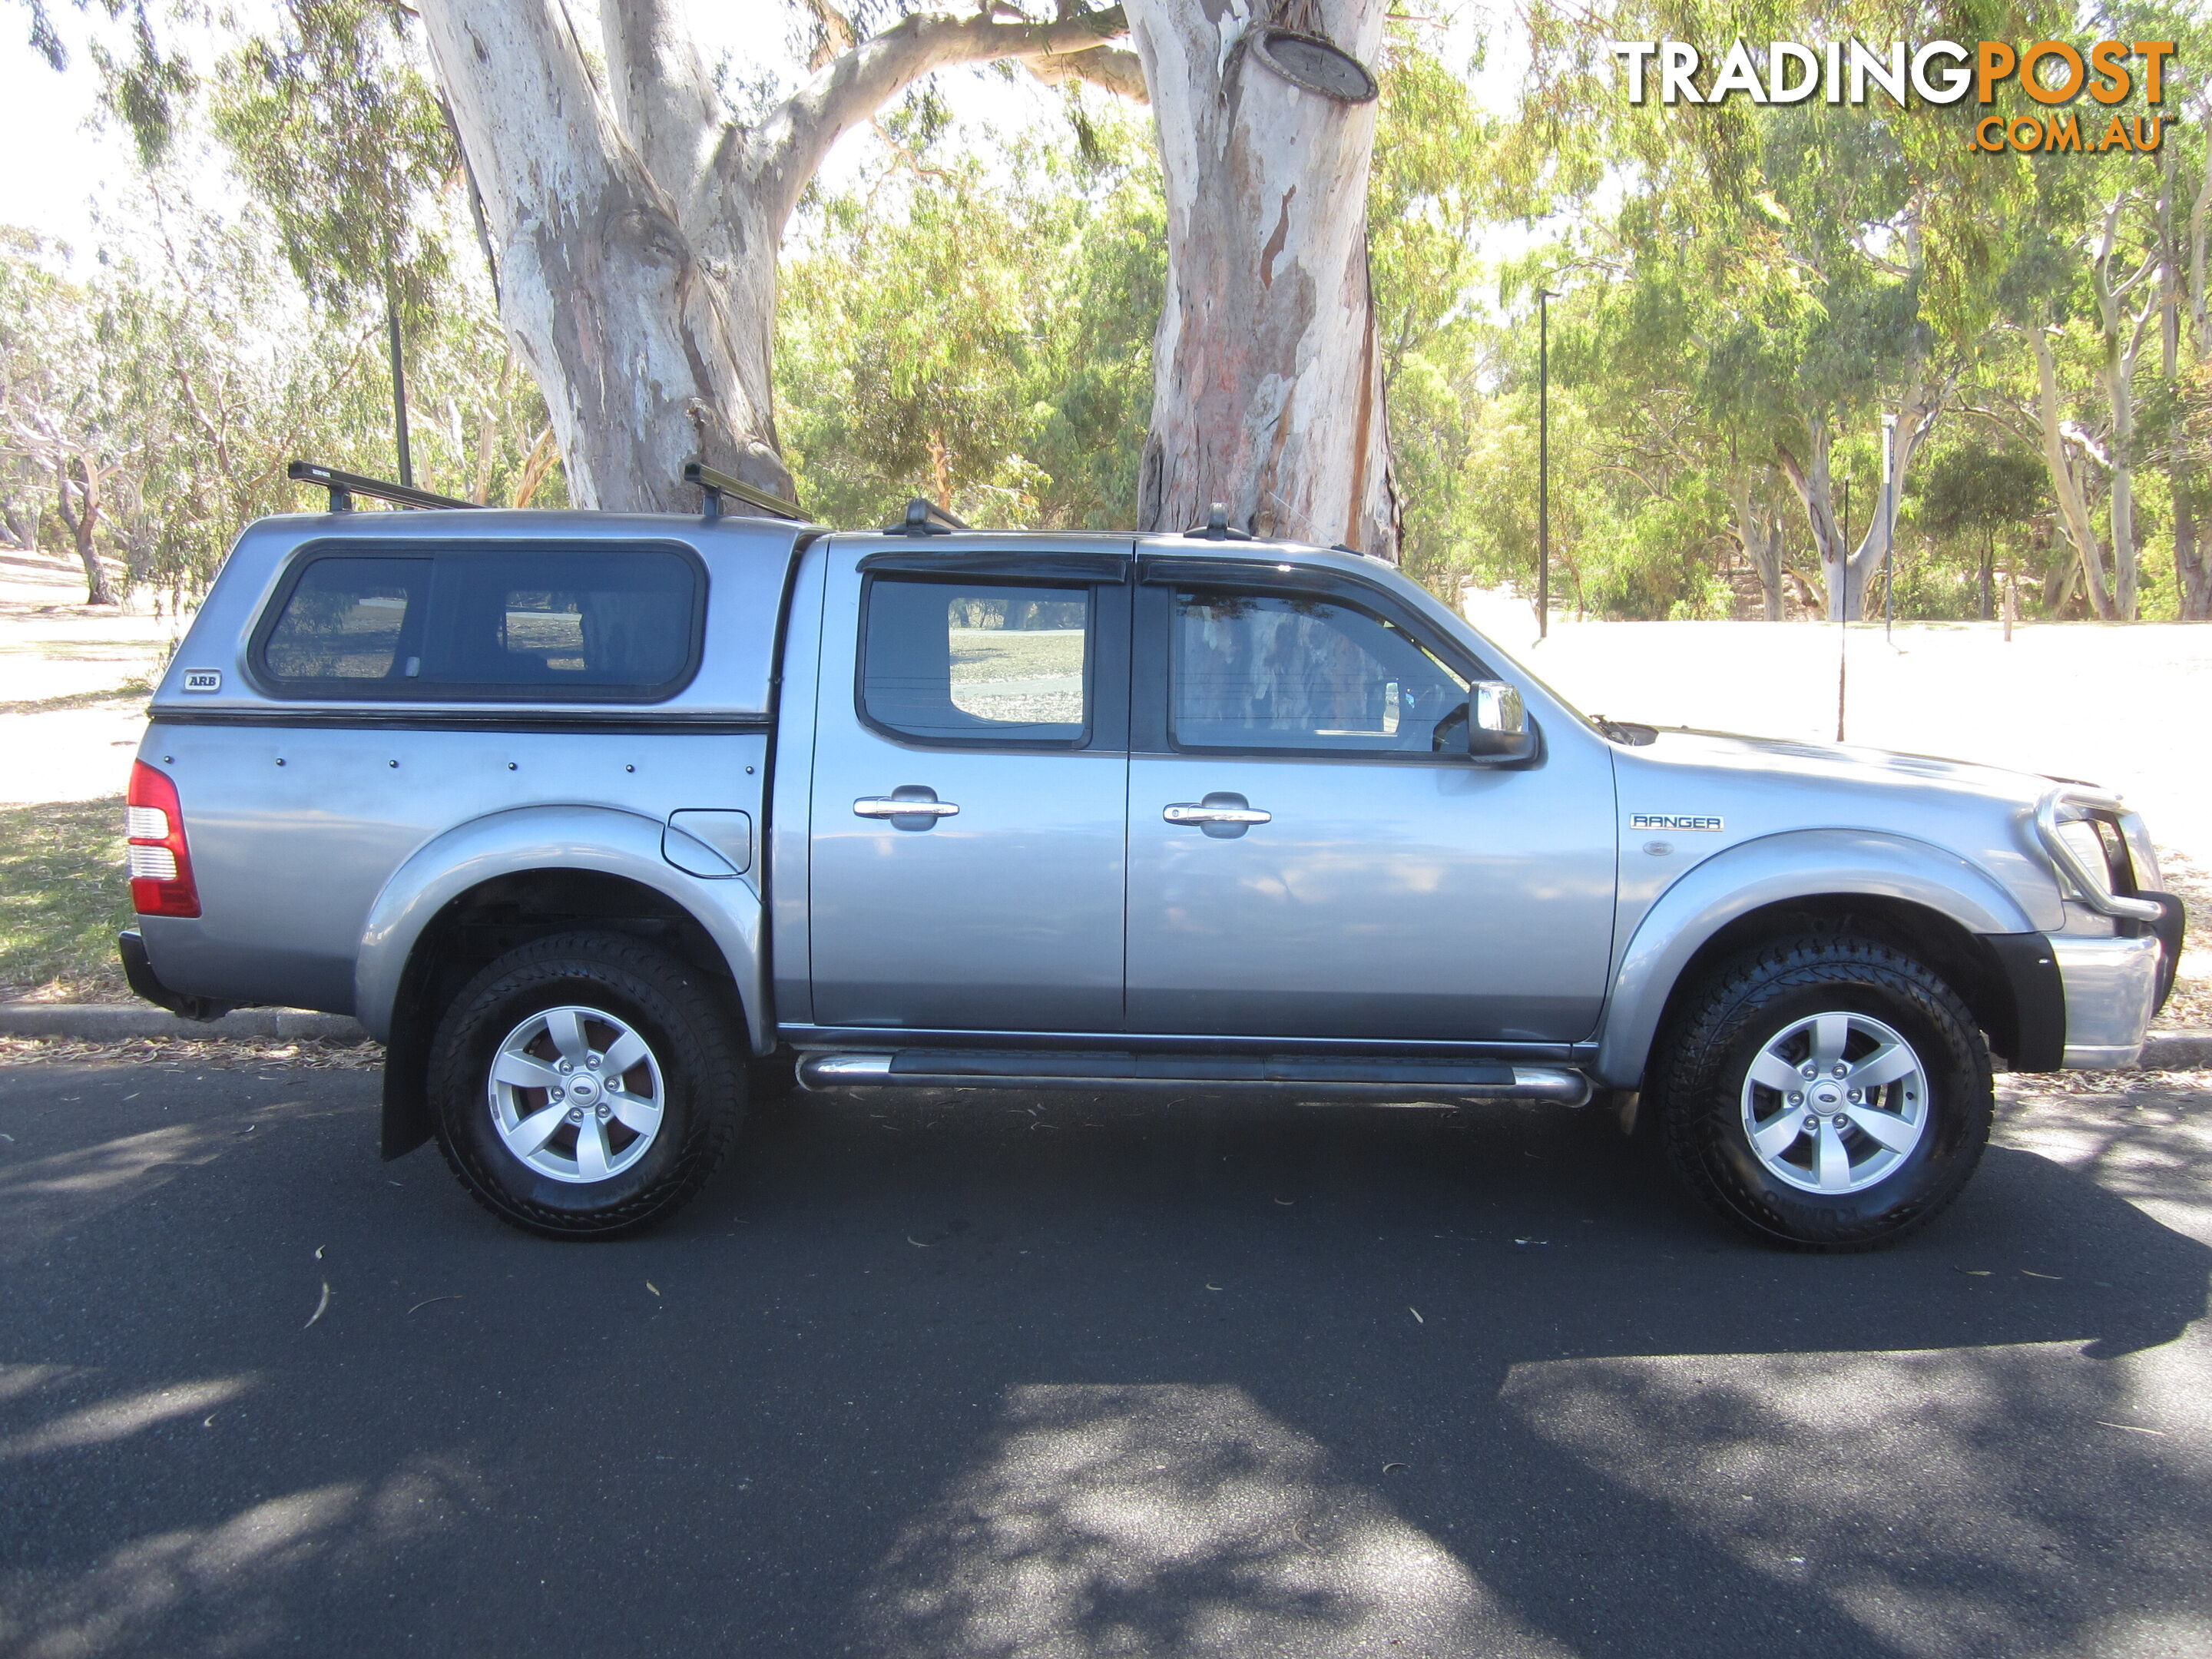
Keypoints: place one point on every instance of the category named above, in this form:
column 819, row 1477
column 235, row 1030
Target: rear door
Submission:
column 970, row 783
column 1312, row 853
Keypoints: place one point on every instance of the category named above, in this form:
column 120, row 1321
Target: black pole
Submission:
column 1543, row 464
column 1841, row 601
column 398, row 393
column 1888, row 585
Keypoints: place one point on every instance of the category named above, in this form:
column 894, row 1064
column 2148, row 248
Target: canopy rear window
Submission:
column 604, row 624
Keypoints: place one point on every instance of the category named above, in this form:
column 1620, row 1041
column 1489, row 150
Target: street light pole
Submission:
column 1544, row 297
column 400, row 396
column 1842, row 599
column 1888, row 525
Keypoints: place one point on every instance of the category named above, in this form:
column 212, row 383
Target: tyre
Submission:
column 587, row 1085
column 1826, row 1093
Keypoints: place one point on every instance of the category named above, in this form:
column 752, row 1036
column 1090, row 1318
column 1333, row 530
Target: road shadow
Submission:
column 990, row 1375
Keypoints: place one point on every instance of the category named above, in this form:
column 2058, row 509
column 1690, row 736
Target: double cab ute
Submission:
column 601, row 822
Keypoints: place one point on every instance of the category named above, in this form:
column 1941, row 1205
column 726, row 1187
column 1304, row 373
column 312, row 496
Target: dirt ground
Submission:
column 73, row 681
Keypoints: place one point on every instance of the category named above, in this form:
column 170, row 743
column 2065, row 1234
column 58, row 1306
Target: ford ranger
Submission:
column 599, row 821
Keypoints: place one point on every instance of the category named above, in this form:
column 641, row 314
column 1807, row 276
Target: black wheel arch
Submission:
column 2014, row 998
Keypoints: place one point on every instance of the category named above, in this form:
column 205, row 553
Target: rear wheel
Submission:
column 587, row 1085
column 1826, row 1093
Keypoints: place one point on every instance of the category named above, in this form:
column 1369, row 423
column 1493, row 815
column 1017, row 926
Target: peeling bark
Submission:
column 1267, row 382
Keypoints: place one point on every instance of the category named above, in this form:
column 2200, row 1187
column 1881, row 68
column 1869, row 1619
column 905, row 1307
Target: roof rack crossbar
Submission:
column 925, row 517
column 1217, row 527
column 344, row 486
column 715, row 485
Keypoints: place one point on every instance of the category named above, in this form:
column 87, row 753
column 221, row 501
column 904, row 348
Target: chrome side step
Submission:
column 1351, row 1079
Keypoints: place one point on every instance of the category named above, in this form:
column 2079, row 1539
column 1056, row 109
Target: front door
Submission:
column 970, row 794
column 1311, row 856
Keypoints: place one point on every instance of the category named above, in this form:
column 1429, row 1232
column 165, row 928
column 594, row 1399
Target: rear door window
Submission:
column 617, row 625
column 970, row 663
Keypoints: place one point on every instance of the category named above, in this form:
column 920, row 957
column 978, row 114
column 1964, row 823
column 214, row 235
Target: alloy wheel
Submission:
column 577, row 1094
column 1834, row 1103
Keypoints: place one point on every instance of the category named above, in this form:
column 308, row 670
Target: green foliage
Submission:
column 976, row 329
column 1738, row 290
column 188, row 372
column 1973, row 490
column 340, row 138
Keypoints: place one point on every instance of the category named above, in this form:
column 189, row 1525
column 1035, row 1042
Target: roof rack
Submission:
column 1216, row 527
column 919, row 513
column 715, row 485
column 344, row 486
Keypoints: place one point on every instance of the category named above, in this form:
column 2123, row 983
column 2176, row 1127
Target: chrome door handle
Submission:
column 884, row 806
column 1195, row 812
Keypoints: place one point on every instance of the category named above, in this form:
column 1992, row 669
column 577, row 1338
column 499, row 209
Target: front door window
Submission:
column 1267, row 671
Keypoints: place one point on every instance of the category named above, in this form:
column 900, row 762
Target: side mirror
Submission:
column 1497, row 723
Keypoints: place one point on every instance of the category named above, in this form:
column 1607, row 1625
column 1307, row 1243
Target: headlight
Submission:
column 2101, row 853
column 2081, row 829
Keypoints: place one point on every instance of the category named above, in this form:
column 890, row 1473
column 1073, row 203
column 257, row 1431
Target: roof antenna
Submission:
column 1217, row 527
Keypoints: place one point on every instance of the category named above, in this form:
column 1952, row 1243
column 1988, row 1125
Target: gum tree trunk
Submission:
column 1268, row 384
column 76, row 498
column 2065, row 484
column 1760, row 533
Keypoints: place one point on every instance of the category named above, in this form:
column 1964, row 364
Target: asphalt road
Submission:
column 987, row 1376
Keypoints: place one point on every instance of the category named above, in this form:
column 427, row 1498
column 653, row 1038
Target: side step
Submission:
column 1354, row 1079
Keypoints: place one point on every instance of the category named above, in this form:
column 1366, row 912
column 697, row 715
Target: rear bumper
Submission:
column 147, row 984
column 2112, row 986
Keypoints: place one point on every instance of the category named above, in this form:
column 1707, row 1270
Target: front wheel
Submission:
column 587, row 1085
column 1826, row 1092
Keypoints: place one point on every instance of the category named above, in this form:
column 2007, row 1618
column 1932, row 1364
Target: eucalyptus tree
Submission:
column 1268, row 393
column 2185, row 226
column 1864, row 238
column 1439, row 182
column 1977, row 494
column 57, row 424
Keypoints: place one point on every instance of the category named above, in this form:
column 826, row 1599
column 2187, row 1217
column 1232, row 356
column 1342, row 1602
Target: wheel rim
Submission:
column 577, row 1094
column 1834, row 1103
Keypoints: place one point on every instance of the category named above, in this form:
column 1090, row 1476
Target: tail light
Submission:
column 160, row 867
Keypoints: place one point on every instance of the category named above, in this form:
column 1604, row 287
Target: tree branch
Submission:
column 788, row 147
column 1109, row 68
column 838, row 35
column 2196, row 251
column 665, row 101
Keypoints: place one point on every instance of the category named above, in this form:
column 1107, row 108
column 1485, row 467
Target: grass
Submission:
column 62, row 896
column 78, row 700
column 1015, row 653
